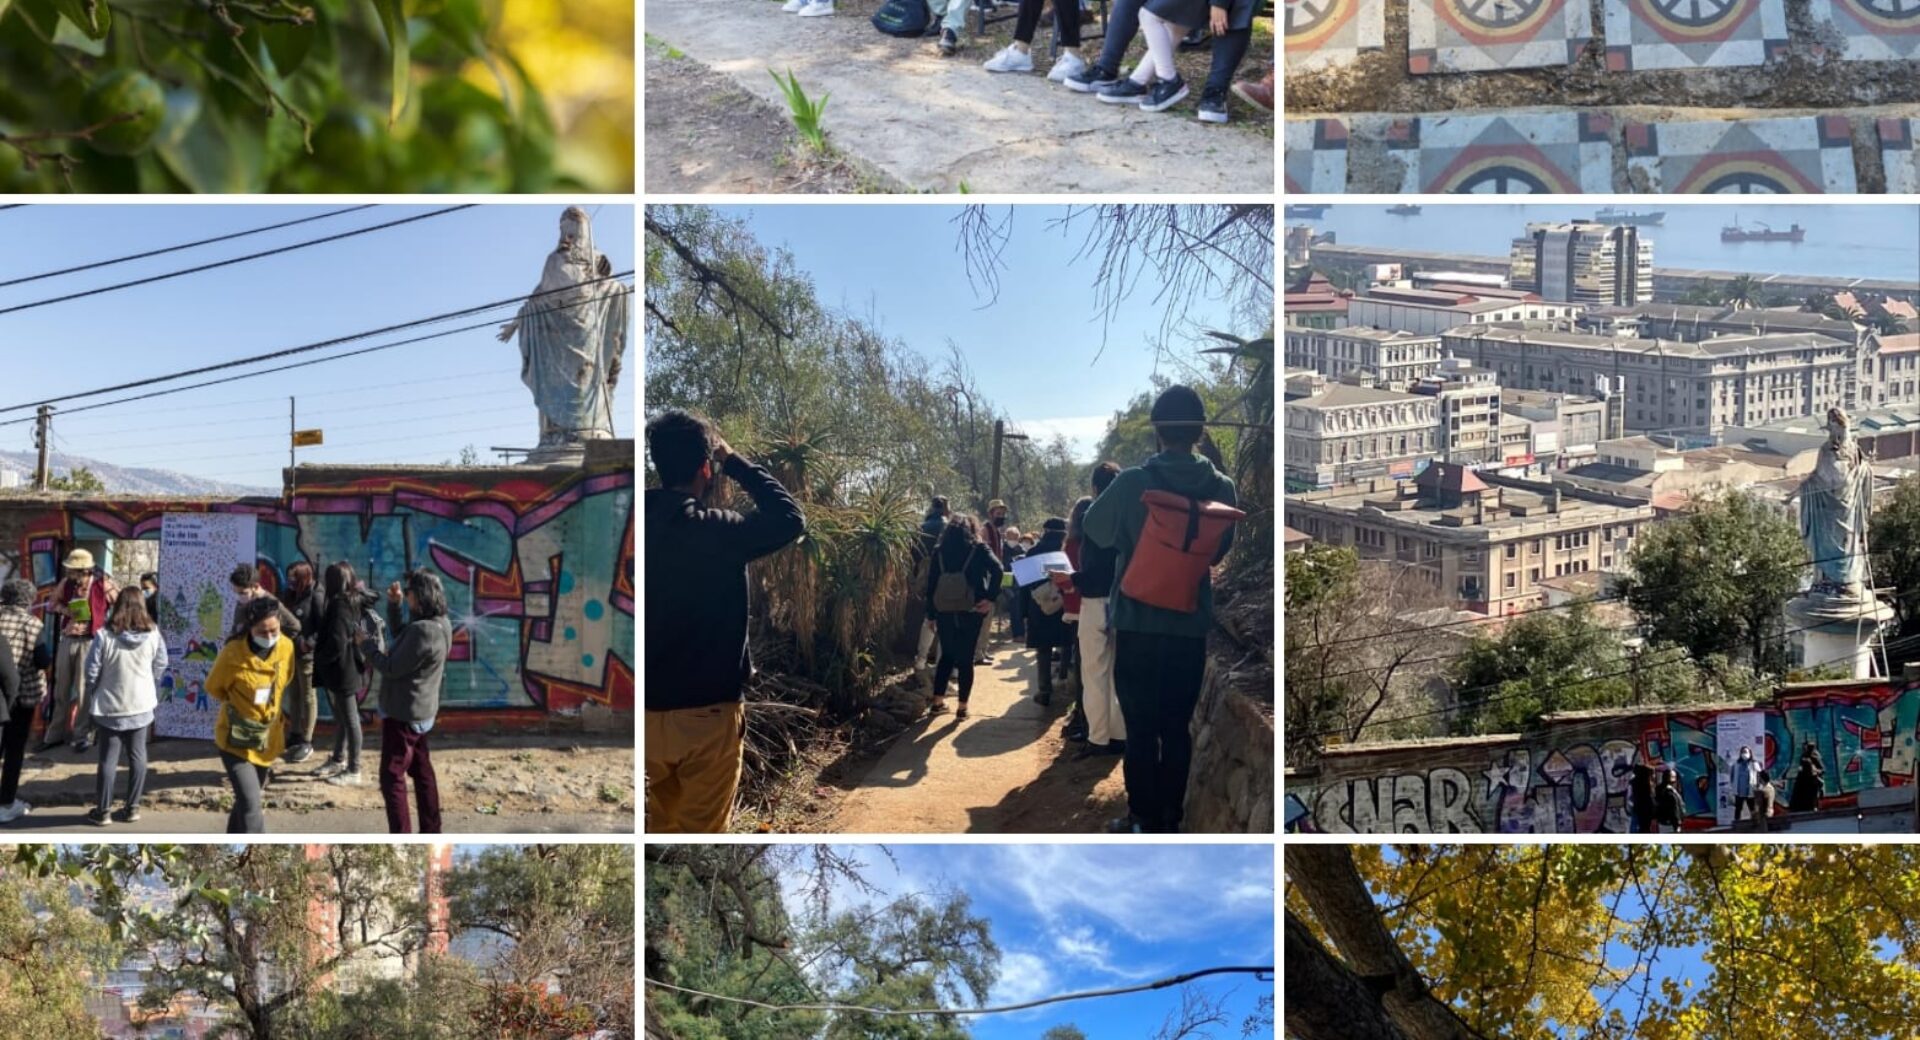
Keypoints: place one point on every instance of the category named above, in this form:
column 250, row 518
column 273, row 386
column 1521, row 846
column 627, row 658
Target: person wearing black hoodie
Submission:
column 1160, row 655
column 930, row 530
column 957, row 618
column 1045, row 632
column 307, row 603
column 697, row 659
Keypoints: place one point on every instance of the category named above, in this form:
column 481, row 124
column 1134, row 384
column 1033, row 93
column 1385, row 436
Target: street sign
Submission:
column 308, row 438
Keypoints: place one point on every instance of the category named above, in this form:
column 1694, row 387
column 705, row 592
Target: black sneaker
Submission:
column 1164, row 95
column 127, row 815
column 949, row 43
column 299, row 753
column 1128, row 825
column 98, row 817
column 1213, row 106
column 1092, row 80
column 1123, row 92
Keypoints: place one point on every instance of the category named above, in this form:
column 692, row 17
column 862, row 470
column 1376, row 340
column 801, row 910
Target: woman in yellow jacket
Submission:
column 248, row 679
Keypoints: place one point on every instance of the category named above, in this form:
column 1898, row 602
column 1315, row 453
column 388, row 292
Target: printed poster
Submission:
column 1731, row 732
column 197, row 553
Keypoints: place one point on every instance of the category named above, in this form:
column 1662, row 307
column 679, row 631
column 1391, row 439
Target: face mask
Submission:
column 267, row 643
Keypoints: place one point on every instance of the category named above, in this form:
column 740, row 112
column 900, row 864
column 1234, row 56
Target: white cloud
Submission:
column 1083, row 432
column 1150, row 893
column 1023, row 977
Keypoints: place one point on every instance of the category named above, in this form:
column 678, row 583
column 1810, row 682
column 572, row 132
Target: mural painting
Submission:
column 1571, row 776
column 538, row 566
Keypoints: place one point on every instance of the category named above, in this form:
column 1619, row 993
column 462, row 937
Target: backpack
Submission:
column 1175, row 549
column 952, row 592
column 903, row 18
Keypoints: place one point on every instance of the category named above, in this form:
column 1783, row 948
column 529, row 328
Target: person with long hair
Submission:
column 248, row 679
column 20, row 633
column 410, row 676
column 306, row 602
column 124, row 667
column 340, row 670
column 961, row 585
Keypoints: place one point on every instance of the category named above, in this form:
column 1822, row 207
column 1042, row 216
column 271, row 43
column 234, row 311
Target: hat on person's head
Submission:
column 78, row 560
column 1055, row 523
column 1180, row 405
column 995, row 504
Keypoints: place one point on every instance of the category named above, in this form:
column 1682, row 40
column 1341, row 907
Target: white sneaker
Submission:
column 1010, row 59
column 793, row 6
column 1070, row 64
column 10, row 813
column 816, row 8
column 345, row 779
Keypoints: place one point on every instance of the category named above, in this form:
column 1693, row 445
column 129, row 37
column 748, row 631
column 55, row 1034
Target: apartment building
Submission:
column 1593, row 265
column 1394, row 359
column 1434, row 311
column 1344, row 433
column 1469, row 399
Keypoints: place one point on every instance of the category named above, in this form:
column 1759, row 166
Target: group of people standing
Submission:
column 1657, row 804
column 108, row 662
column 1129, row 610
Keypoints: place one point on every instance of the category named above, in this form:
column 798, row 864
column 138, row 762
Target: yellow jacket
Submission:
column 237, row 673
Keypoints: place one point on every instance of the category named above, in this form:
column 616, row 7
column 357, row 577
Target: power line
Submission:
column 306, row 418
column 230, row 262
column 183, row 246
column 1175, row 980
column 281, row 415
column 306, row 349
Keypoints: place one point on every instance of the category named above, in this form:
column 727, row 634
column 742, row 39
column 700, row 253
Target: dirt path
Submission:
column 1005, row 769
column 937, row 124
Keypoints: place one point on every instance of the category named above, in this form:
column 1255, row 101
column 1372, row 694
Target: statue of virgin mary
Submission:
column 573, row 333
column 1836, row 502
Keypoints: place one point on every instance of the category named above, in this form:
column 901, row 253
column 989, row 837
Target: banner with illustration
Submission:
column 198, row 552
column 1732, row 731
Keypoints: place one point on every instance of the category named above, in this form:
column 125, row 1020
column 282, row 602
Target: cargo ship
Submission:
column 1404, row 210
column 1610, row 215
column 1758, row 232
column 1306, row 211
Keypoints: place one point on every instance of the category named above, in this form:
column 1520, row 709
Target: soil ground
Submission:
column 487, row 785
column 1805, row 76
column 1004, row 770
column 917, row 120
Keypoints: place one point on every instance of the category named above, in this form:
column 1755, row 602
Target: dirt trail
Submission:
column 935, row 123
column 1005, row 769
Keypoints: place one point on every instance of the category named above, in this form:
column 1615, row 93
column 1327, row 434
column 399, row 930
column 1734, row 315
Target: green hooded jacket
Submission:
column 1114, row 521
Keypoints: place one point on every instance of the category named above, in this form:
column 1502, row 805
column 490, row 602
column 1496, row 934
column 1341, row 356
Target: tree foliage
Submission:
column 1895, row 538
column 1532, row 942
column 311, row 96
column 50, row 946
column 1715, row 580
column 80, row 479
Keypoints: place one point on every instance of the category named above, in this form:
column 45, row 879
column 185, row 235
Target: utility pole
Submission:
column 42, row 439
column 293, row 447
column 1000, row 435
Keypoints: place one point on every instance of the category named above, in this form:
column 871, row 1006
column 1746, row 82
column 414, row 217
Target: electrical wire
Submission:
column 1175, row 980
column 304, row 349
column 307, row 419
column 149, row 280
column 183, row 246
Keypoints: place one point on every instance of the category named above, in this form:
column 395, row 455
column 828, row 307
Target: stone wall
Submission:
column 1569, row 776
column 1230, row 790
column 538, row 563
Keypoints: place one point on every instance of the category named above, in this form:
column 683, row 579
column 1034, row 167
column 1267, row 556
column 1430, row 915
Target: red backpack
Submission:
column 1175, row 549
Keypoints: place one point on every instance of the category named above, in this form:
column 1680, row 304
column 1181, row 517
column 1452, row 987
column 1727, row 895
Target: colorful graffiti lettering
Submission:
column 1868, row 737
column 538, row 567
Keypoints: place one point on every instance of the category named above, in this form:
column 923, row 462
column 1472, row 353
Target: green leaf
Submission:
column 66, row 34
column 93, row 17
column 218, row 158
column 4, row 4
column 393, row 19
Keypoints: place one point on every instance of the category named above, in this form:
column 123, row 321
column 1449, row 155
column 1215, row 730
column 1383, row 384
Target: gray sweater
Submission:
column 411, row 672
column 124, row 670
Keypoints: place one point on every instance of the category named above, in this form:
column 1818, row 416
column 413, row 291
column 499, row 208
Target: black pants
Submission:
column 1228, row 52
column 1123, row 24
column 1157, row 680
column 1066, row 13
column 111, row 741
column 249, row 782
column 13, row 750
column 958, row 633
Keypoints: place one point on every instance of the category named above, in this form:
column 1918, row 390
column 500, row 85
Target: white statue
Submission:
column 1836, row 502
column 573, row 333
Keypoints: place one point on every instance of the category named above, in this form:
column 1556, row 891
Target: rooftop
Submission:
column 1550, row 334
column 1753, row 318
column 1383, row 336
column 1346, row 395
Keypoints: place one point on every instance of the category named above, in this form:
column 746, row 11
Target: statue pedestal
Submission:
column 558, row 455
column 1837, row 629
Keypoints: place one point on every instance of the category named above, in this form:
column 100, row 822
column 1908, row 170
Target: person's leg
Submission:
column 304, row 712
column 1162, row 38
column 67, row 679
column 136, row 767
column 1183, row 669
column 1043, row 670
column 356, row 737
column 109, row 763
column 426, row 785
column 963, row 664
column 1133, row 682
column 336, row 705
column 394, row 753
column 13, row 752
column 1228, row 52
column 980, row 641
column 1066, row 18
column 663, row 769
column 954, row 648
column 925, row 644
column 1123, row 24
column 246, row 780
column 1027, row 20
column 1096, row 677
column 710, row 770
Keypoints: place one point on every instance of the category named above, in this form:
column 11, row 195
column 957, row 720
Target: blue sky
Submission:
column 1033, row 349
column 1078, row 917
column 418, row 403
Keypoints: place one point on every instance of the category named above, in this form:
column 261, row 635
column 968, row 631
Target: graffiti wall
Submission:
column 1572, row 775
column 537, row 562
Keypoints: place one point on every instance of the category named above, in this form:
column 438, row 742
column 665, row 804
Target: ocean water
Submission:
column 1862, row 240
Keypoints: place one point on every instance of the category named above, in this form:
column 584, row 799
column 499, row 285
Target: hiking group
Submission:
column 91, row 663
column 1122, row 588
column 1153, row 85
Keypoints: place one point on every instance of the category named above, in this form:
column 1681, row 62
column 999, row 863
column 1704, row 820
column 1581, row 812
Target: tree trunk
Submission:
column 1331, row 885
column 1325, row 1000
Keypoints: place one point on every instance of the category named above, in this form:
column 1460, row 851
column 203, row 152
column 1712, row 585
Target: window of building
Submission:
column 1513, row 550
column 1513, row 580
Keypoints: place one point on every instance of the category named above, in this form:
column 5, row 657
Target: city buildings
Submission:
column 1434, row 311
column 1470, row 413
column 1341, row 432
column 1388, row 358
column 1590, row 264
